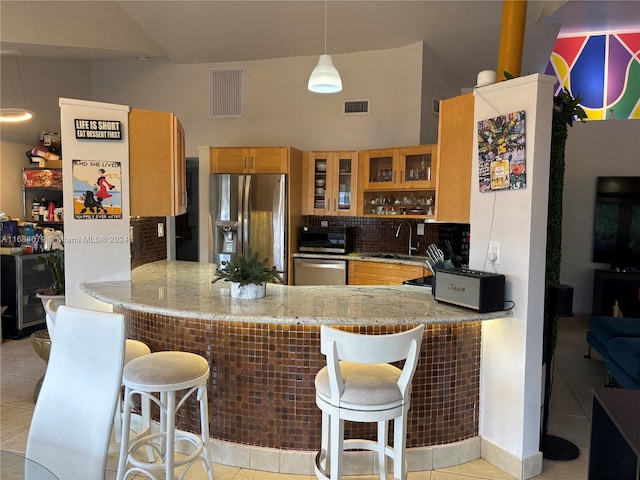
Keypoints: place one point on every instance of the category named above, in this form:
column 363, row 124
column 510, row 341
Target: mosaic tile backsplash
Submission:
column 261, row 388
column 379, row 234
column 147, row 247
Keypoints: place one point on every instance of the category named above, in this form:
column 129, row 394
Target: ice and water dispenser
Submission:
column 226, row 237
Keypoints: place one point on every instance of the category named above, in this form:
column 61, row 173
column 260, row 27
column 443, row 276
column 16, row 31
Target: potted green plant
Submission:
column 248, row 275
column 55, row 263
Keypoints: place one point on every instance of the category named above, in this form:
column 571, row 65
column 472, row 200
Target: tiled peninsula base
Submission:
column 262, row 398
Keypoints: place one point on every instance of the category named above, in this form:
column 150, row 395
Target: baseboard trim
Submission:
column 299, row 462
column 520, row 468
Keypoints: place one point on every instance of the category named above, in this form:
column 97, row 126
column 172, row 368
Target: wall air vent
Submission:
column 226, row 86
column 356, row 107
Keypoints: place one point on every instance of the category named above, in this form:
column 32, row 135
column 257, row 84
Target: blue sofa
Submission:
column 618, row 341
column 624, row 361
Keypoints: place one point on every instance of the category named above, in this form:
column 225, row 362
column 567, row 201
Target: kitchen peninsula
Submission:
column 264, row 355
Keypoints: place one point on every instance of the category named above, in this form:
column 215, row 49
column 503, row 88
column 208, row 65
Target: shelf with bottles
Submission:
column 43, row 206
column 419, row 203
column 42, row 196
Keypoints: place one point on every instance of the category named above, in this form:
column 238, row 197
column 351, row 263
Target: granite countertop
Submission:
column 184, row 289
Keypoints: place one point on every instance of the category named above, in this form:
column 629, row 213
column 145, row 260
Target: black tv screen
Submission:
column 616, row 238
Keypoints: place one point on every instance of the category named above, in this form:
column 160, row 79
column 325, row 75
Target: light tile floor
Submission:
column 570, row 417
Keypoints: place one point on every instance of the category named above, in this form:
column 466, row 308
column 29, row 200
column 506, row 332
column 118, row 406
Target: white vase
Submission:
column 248, row 292
column 56, row 301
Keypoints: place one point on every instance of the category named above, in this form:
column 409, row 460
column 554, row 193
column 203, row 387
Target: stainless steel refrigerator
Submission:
column 248, row 212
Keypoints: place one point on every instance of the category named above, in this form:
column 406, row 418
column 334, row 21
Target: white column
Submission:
column 511, row 365
column 95, row 249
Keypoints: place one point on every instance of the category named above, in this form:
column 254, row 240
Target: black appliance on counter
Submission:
column 337, row 239
column 419, row 282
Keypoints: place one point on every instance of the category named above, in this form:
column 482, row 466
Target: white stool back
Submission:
column 72, row 420
column 359, row 384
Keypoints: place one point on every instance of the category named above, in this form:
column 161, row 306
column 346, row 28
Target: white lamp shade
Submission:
column 325, row 78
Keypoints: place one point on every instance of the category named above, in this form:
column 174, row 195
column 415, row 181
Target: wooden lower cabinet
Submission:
column 380, row 273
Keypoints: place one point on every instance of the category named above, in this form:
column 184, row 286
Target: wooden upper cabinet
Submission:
column 157, row 164
column 455, row 154
column 330, row 183
column 407, row 168
column 249, row 159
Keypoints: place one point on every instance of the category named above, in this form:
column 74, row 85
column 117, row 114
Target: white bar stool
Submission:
column 158, row 376
column 359, row 385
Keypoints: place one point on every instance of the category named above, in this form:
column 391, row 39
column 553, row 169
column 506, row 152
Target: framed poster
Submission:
column 501, row 153
column 97, row 189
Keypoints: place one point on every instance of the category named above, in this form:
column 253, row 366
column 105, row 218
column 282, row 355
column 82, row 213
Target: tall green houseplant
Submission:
column 55, row 263
column 566, row 108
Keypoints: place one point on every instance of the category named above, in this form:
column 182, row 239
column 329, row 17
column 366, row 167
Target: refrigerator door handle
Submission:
column 246, row 195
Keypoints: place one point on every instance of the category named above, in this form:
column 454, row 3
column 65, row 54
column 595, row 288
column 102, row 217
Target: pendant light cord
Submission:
column 326, row 2
column 20, row 79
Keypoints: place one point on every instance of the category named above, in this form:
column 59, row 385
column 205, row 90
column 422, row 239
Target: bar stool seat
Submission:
column 159, row 376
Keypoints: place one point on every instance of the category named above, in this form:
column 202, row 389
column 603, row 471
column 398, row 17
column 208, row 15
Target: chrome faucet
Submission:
column 411, row 249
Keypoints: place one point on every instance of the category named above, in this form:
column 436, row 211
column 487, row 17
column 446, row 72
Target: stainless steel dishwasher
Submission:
column 319, row 271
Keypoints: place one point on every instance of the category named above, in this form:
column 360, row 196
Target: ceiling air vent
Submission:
column 356, row 107
column 226, row 87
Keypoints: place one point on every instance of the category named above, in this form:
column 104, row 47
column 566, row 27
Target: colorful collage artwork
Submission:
column 501, row 153
column 603, row 70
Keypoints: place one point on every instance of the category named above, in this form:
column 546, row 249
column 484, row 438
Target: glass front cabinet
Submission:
column 330, row 183
column 399, row 181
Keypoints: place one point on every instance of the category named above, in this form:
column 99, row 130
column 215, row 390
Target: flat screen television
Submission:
column 616, row 238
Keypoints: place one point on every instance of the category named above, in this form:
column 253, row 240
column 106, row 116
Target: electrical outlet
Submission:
column 161, row 230
column 493, row 255
column 420, row 229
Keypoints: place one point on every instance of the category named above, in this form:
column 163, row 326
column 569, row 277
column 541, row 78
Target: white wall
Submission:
column 511, row 368
column 43, row 81
column 602, row 148
column 95, row 249
column 436, row 85
column 278, row 108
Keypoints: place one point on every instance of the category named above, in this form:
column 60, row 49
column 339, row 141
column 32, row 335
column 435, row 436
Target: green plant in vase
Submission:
column 248, row 275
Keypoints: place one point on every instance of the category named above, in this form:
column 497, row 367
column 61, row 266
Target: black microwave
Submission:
column 325, row 239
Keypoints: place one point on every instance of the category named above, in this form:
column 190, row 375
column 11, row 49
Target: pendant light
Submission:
column 325, row 78
column 15, row 112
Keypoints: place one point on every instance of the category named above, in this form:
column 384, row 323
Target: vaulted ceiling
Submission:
column 464, row 35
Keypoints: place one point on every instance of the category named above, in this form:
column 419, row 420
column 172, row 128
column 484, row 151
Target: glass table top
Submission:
column 15, row 466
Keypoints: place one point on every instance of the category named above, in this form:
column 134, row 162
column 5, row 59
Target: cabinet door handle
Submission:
column 401, row 176
column 252, row 164
column 244, row 163
column 335, row 205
